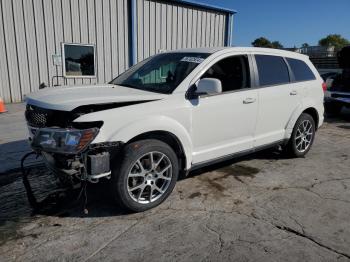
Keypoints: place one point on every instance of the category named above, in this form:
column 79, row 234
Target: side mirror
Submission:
column 209, row 86
column 329, row 82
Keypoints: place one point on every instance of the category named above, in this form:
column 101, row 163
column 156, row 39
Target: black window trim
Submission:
column 257, row 81
column 251, row 72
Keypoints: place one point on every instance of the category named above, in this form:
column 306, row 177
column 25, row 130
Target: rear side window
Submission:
column 300, row 69
column 272, row 70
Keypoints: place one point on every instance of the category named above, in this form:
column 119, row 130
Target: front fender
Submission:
column 156, row 123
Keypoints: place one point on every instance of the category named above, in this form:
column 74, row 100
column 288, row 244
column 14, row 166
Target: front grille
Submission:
column 36, row 117
column 41, row 117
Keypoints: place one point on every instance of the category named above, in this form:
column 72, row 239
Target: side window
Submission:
column 233, row 72
column 300, row 70
column 272, row 70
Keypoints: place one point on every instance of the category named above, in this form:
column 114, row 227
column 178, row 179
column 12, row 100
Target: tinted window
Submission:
column 233, row 72
column 79, row 60
column 272, row 70
column 300, row 70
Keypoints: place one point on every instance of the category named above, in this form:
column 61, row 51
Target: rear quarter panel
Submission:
column 312, row 96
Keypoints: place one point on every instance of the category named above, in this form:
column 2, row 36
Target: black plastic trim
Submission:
column 236, row 155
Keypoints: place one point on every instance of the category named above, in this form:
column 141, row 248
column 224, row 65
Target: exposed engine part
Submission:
column 99, row 163
column 91, row 165
column 95, row 178
column 98, row 166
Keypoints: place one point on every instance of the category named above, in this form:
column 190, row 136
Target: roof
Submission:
column 206, row 6
column 212, row 50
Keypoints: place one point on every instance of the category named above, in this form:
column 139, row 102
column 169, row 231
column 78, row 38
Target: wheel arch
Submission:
column 314, row 114
column 168, row 138
column 163, row 128
column 306, row 107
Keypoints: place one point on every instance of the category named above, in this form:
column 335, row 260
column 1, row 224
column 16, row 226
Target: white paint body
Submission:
column 209, row 127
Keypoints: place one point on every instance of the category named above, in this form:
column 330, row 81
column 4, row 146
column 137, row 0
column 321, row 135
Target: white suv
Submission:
column 175, row 112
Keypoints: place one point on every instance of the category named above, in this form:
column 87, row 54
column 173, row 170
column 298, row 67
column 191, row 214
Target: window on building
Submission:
column 272, row 70
column 233, row 72
column 79, row 60
column 300, row 70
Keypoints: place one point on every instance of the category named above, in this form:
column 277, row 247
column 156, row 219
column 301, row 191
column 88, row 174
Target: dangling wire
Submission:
column 83, row 190
column 30, row 195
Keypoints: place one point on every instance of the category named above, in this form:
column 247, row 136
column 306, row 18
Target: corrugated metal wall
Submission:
column 163, row 25
column 31, row 31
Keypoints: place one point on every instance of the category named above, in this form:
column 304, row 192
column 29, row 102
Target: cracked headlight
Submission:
column 69, row 141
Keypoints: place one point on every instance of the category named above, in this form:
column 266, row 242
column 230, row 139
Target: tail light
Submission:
column 324, row 87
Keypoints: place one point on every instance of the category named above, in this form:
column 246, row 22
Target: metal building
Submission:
column 40, row 40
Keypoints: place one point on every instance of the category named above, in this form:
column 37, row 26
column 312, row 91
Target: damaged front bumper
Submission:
column 88, row 166
column 69, row 154
column 91, row 165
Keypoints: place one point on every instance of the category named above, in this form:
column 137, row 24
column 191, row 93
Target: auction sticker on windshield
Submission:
column 190, row 59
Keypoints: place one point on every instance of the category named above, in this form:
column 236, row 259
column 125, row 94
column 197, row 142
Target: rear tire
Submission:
column 302, row 137
column 145, row 176
column 332, row 109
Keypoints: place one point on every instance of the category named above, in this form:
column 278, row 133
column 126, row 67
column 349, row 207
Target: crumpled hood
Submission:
column 67, row 98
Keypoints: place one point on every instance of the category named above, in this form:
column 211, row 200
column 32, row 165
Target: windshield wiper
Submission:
column 148, row 89
column 128, row 85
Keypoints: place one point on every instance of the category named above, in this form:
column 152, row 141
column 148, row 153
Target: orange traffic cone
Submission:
column 2, row 106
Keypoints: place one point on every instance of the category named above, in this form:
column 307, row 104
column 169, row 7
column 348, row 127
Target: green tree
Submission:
column 262, row 42
column 277, row 45
column 335, row 40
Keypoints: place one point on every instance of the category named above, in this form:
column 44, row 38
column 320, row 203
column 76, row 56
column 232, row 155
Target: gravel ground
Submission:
column 260, row 208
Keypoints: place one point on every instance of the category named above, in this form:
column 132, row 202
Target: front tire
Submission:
column 146, row 175
column 302, row 137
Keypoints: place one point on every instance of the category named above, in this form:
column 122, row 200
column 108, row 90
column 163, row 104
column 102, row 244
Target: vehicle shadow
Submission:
column 14, row 204
column 342, row 117
column 11, row 154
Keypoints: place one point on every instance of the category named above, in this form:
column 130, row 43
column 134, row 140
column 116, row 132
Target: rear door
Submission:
column 278, row 98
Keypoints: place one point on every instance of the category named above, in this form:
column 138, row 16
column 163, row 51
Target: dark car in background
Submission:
column 325, row 76
column 337, row 95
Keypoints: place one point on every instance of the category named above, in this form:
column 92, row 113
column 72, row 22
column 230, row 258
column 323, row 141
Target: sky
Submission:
column 290, row 22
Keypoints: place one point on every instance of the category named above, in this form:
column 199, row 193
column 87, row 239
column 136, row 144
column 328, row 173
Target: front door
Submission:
column 224, row 123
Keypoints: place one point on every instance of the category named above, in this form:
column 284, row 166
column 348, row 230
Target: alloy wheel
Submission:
column 303, row 136
column 149, row 177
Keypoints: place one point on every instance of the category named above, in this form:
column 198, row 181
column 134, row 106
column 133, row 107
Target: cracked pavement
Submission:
column 260, row 208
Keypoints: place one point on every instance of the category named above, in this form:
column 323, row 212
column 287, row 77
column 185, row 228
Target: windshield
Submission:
column 160, row 73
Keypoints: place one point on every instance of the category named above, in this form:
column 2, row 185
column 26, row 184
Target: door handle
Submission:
column 249, row 100
column 293, row 93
